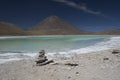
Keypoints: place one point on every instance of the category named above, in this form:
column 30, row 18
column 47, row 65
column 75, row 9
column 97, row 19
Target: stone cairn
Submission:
column 42, row 59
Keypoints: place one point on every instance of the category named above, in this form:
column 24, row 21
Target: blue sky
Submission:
column 91, row 15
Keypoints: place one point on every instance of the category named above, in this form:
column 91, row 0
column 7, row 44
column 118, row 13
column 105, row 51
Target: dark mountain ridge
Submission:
column 10, row 29
column 109, row 32
column 52, row 25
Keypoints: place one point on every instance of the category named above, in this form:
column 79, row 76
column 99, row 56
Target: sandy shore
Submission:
column 102, row 65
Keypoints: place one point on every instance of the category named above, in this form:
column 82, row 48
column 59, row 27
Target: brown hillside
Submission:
column 10, row 29
column 53, row 25
column 109, row 32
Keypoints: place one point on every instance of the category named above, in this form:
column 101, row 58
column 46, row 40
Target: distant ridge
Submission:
column 54, row 25
column 109, row 32
column 7, row 28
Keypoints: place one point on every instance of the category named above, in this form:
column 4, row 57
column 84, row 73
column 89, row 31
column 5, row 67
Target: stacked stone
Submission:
column 41, row 57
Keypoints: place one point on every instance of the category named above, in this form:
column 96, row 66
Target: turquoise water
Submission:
column 21, row 47
column 49, row 43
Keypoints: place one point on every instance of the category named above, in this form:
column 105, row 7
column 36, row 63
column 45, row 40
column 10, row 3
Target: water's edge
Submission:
column 74, row 43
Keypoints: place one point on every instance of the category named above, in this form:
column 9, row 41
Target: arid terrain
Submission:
column 102, row 65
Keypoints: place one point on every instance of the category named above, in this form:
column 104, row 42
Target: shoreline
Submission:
column 101, row 65
column 54, row 35
column 96, row 40
column 50, row 55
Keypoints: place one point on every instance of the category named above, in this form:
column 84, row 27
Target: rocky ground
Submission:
column 102, row 65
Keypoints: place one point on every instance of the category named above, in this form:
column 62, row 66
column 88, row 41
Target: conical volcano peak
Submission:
column 54, row 25
column 52, row 18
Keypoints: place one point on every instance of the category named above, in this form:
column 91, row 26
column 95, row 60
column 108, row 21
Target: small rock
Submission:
column 105, row 58
column 71, row 64
column 77, row 73
column 115, row 51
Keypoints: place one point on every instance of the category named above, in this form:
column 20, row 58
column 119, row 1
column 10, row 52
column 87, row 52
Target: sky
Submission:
column 91, row 15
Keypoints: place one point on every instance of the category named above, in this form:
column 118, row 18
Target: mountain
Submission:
column 54, row 25
column 109, row 32
column 10, row 29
